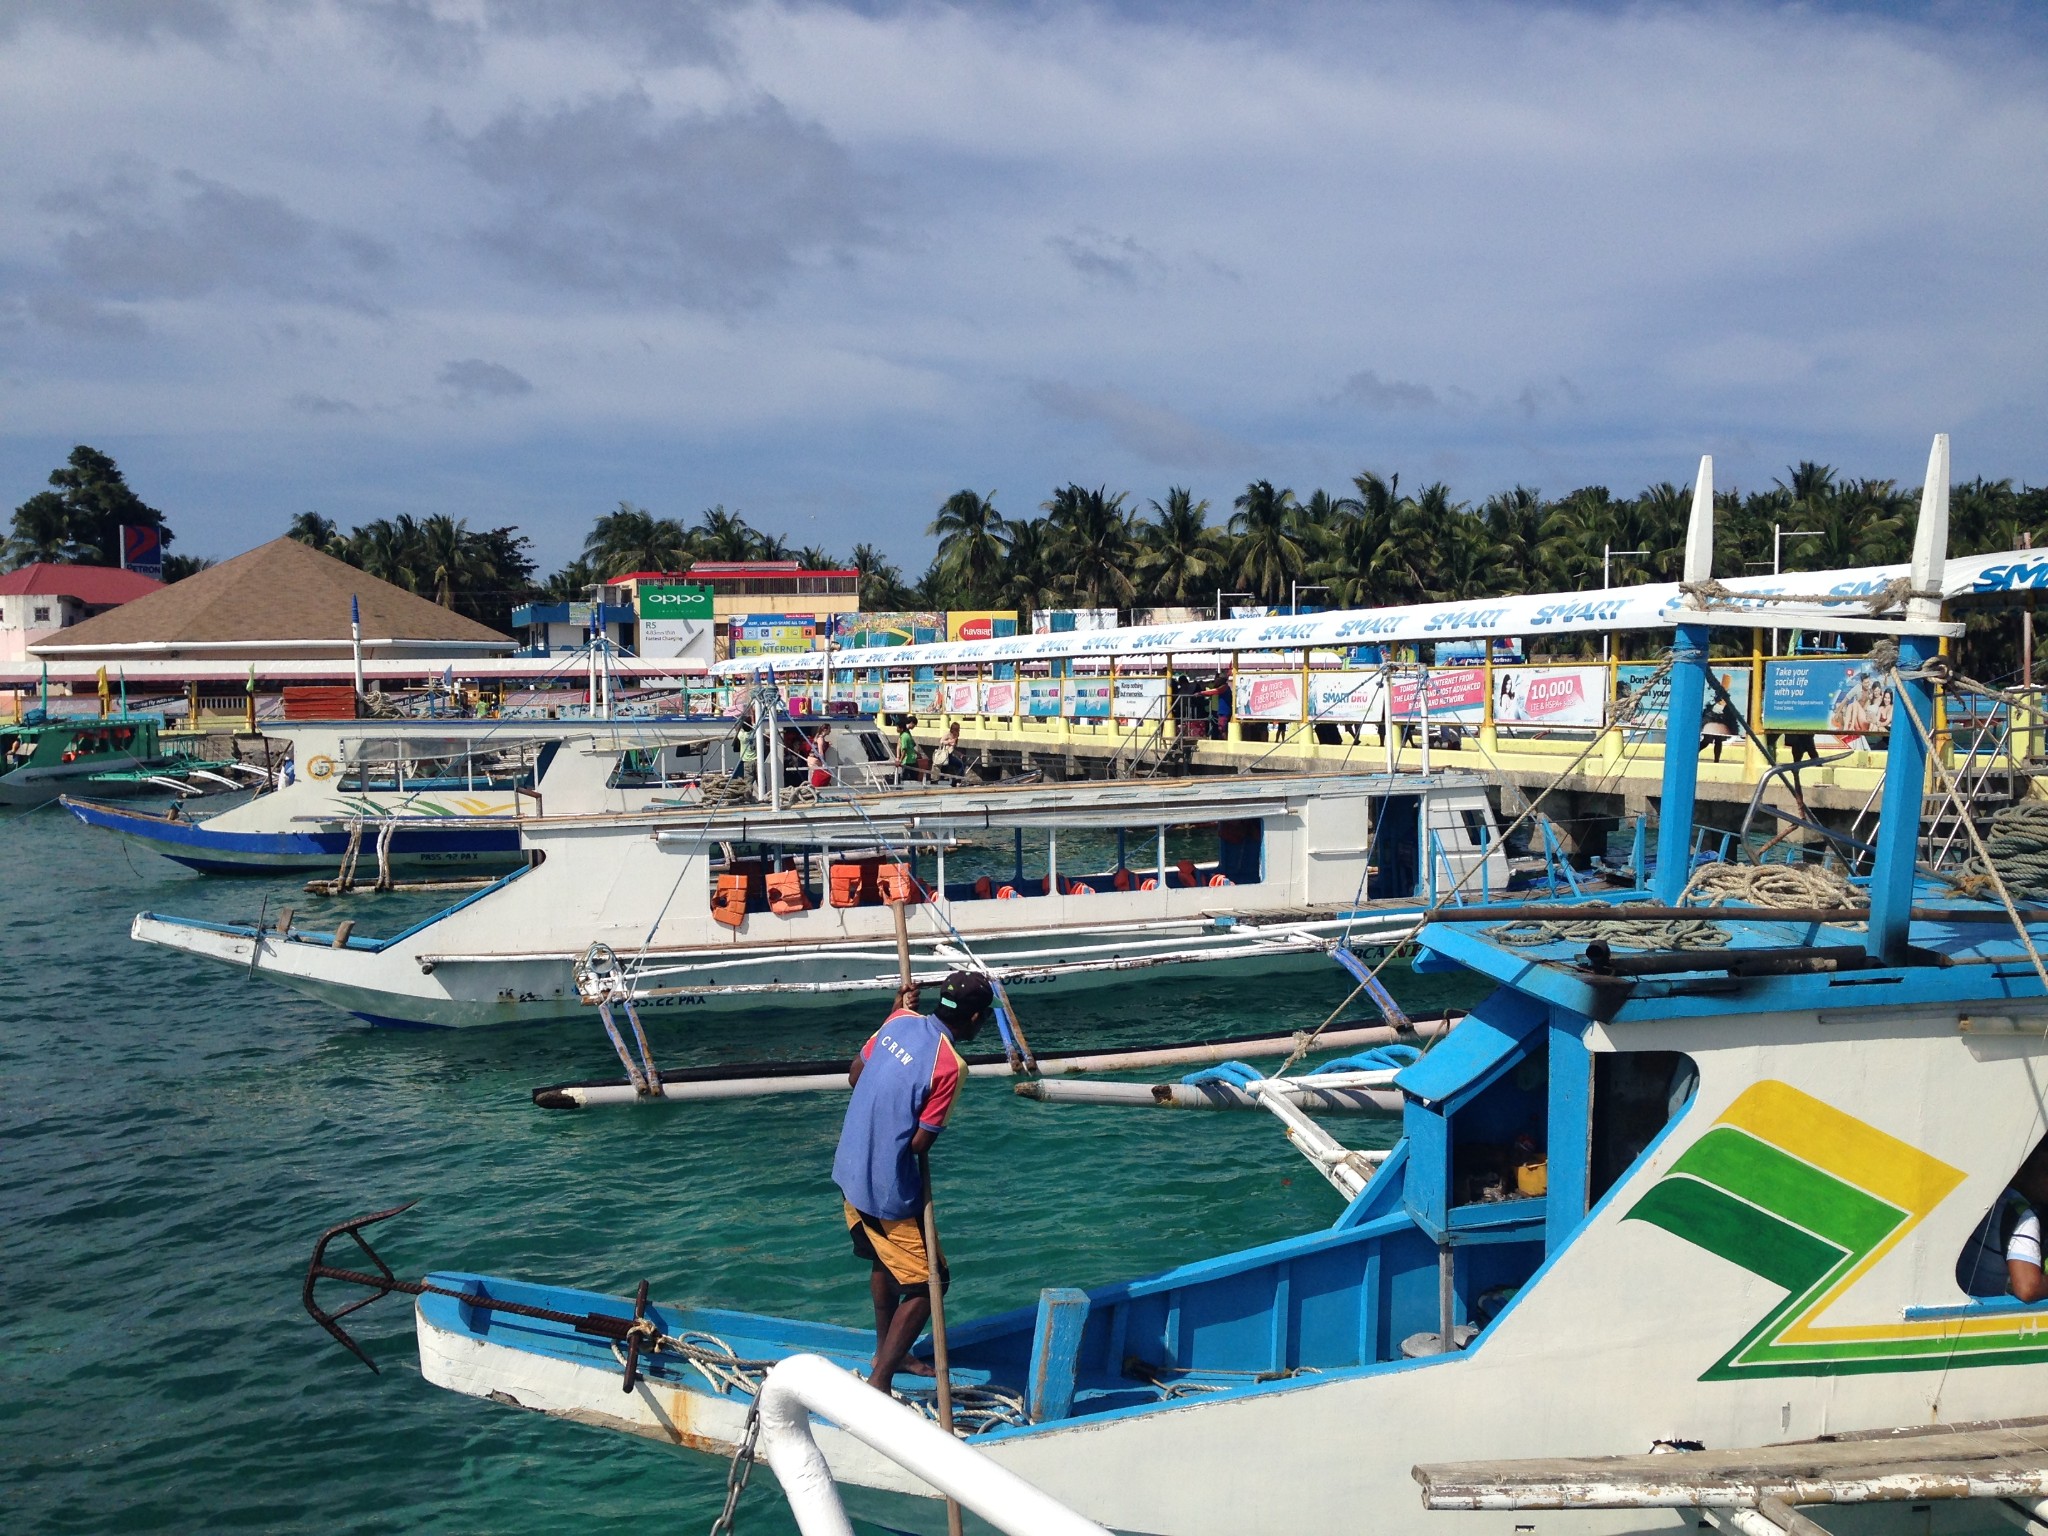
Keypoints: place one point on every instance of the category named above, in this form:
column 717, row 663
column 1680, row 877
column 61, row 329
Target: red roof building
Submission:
column 39, row 600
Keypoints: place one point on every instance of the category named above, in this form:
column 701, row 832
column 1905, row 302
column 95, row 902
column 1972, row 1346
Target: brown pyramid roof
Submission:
column 283, row 591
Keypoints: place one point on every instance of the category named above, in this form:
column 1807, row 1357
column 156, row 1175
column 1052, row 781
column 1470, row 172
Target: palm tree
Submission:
column 447, row 564
column 572, row 583
column 1270, row 551
column 881, row 581
column 320, row 532
column 970, row 534
column 1180, row 555
column 42, row 532
column 634, row 539
column 1576, row 531
column 1514, row 524
column 1026, row 581
column 723, row 535
column 812, row 558
column 1091, row 543
column 1407, row 566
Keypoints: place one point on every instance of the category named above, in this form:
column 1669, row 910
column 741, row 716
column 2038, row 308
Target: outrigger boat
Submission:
column 1751, row 1172
column 1056, row 885
column 42, row 756
column 443, row 795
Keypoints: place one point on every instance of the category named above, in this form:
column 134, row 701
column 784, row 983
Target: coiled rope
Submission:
column 975, row 1408
column 2016, row 844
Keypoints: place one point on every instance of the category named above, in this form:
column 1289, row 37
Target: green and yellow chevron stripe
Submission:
column 1809, row 1198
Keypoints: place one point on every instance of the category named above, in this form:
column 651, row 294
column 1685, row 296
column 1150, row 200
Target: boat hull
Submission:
column 39, row 785
column 407, row 988
column 465, row 849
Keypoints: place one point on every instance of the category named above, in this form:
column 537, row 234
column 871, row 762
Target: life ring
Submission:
column 320, row 767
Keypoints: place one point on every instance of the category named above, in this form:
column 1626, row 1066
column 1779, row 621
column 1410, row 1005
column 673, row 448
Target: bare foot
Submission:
column 913, row 1367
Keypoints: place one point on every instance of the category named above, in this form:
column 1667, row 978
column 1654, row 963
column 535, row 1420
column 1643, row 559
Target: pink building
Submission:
column 38, row 600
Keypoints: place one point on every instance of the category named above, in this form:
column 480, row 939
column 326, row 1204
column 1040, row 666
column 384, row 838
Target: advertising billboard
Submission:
column 1042, row 697
column 1088, row 698
column 668, row 601
column 853, row 630
column 1268, row 696
column 1349, row 696
column 999, row 697
column 773, row 634
column 981, row 624
column 1549, row 696
column 1631, row 677
column 1845, row 698
column 1140, row 698
column 1455, row 694
column 960, row 698
column 142, row 550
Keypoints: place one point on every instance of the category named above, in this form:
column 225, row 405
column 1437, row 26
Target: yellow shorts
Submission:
column 898, row 1246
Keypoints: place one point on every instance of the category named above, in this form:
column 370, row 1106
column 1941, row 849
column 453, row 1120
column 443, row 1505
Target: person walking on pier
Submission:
column 904, row 1082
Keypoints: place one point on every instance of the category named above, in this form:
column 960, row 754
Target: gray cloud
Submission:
column 123, row 21
column 81, row 317
column 471, row 379
column 707, row 209
column 1543, row 399
column 307, row 404
column 1149, row 431
column 653, row 31
column 1368, row 389
column 135, row 235
column 1114, row 259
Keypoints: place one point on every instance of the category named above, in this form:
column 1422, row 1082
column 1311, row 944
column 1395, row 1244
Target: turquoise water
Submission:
column 173, row 1136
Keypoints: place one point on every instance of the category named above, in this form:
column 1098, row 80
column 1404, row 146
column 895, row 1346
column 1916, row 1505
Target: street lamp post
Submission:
column 1608, row 555
column 1294, row 591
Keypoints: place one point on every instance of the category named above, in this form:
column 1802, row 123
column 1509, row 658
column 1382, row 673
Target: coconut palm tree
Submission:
column 42, row 532
column 320, row 532
column 634, row 539
column 1514, row 525
column 1180, row 555
column 970, row 534
column 1026, row 581
column 1270, row 550
column 1091, row 544
column 723, row 535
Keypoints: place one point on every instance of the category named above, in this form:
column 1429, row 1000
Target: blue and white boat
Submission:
column 452, row 792
column 1646, row 1197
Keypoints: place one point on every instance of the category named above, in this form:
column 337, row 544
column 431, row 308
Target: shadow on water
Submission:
column 173, row 1136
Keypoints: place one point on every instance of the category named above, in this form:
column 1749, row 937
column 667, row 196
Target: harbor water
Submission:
column 173, row 1135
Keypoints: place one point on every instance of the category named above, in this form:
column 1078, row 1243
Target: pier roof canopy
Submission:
column 284, row 598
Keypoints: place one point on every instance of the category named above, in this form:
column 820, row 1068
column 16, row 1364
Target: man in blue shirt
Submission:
column 904, row 1082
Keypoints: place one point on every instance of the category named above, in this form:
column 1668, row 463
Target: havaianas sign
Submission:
column 674, row 602
column 1809, row 1198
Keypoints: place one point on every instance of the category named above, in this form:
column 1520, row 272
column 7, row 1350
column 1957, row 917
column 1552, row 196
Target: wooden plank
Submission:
column 2005, row 1459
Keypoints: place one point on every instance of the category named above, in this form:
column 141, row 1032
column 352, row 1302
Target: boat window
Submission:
column 1476, row 830
column 1635, row 1095
column 2010, row 1233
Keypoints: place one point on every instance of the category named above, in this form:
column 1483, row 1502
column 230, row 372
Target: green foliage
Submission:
column 79, row 522
column 482, row 574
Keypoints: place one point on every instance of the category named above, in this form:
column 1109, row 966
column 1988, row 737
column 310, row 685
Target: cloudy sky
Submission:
column 516, row 260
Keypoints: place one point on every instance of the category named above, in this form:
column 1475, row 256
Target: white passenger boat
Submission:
column 1753, row 1180
column 1066, row 885
column 448, row 796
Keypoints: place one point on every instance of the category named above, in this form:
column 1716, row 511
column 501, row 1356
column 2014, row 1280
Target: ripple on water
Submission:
column 173, row 1136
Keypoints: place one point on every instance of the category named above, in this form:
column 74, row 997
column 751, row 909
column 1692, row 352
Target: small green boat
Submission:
column 42, row 757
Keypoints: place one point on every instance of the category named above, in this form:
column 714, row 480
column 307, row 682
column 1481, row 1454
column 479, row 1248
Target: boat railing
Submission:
column 802, row 1385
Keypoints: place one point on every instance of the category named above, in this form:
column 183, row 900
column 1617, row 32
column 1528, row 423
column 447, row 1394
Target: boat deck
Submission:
column 2000, row 1460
